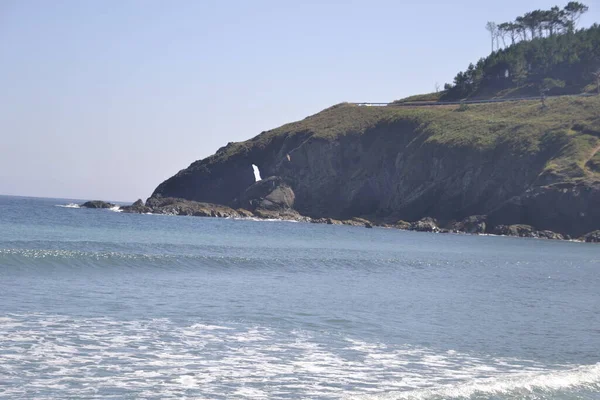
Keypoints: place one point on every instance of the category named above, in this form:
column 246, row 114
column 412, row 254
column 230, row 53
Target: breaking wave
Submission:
column 74, row 205
column 70, row 205
column 584, row 380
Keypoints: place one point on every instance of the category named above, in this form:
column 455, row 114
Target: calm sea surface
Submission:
column 103, row 305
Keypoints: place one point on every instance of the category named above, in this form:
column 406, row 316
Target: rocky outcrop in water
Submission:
column 592, row 237
column 173, row 206
column 97, row 204
column 525, row 231
column 138, row 207
column 472, row 224
column 426, row 224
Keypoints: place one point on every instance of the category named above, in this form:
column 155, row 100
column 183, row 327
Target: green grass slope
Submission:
column 525, row 126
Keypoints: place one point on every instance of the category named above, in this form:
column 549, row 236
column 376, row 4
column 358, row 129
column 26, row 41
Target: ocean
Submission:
column 97, row 304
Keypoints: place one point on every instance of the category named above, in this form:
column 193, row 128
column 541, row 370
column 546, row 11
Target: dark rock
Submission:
column 351, row 222
column 545, row 234
column 268, row 194
column 426, row 224
column 402, row 225
column 97, row 204
column 217, row 179
column 592, row 237
column 328, row 221
column 138, row 207
column 514, row 230
column 244, row 213
column 286, row 214
column 173, row 206
column 472, row 224
column 529, row 231
column 566, row 207
column 359, row 222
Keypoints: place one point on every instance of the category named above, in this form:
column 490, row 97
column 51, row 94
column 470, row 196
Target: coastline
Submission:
column 474, row 225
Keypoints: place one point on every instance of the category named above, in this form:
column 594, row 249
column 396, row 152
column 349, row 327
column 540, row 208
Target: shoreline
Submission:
column 473, row 225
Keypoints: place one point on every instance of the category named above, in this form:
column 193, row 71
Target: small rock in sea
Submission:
column 402, row 225
column 426, row 224
column 472, row 224
column 97, row 204
column 529, row 231
column 592, row 237
column 137, row 207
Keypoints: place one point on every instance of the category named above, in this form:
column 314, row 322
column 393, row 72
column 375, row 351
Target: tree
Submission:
column 492, row 28
column 555, row 20
column 530, row 22
column 537, row 20
column 553, row 53
column 573, row 11
column 511, row 29
column 502, row 31
column 521, row 28
column 546, row 22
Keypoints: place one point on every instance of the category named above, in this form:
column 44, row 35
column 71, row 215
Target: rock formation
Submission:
column 515, row 163
column 97, row 204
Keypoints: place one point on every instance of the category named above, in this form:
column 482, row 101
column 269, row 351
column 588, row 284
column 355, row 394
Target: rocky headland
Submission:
column 438, row 162
column 507, row 169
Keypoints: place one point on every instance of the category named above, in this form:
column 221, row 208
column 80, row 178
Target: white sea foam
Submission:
column 524, row 385
column 263, row 219
column 73, row 205
column 70, row 205
column 106, row 358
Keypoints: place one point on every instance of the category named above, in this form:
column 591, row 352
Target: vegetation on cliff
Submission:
column 569, row 124
column 545, row 52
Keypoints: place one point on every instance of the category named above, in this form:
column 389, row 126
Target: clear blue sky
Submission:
column 106, row 99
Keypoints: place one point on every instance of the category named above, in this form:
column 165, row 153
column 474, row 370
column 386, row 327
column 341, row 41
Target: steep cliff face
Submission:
column 515, row 162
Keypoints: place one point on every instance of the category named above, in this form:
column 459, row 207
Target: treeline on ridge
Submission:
column 540, row 51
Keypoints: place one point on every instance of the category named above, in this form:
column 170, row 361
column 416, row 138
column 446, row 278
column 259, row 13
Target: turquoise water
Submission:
column 100, row 304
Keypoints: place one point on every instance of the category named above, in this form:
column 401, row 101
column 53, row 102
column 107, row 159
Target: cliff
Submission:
column 514, row 162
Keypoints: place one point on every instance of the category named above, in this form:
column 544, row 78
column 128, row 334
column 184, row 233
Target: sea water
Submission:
column 104, row 305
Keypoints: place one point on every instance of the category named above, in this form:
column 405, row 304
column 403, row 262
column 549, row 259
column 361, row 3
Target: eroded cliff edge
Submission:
column 514, row 162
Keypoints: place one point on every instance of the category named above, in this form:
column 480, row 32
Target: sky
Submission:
column 106, row 99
